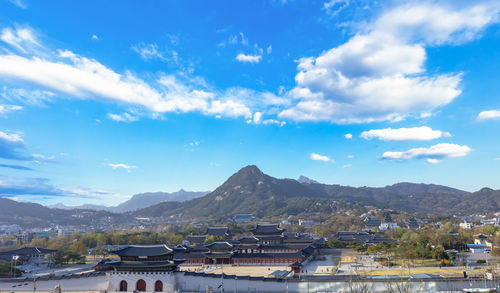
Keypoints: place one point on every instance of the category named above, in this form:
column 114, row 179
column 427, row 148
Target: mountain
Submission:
column 143, row 200
column 251, row 191
column 304, row 179
column 35, row 215
column 139, row 201
column 94, row 207
column 483, row 201
column 408, row 197
column 247, row 191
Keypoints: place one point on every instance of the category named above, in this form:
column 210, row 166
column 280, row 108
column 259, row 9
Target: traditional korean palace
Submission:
column 268, row 245
column 141, row 268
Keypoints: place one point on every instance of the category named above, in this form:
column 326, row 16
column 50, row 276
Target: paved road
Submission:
column 41, row 271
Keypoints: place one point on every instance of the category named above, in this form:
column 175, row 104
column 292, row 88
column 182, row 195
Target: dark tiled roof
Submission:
column 360, row 237
column 373, row 223
column 217, row 231
column 270, row 255
column 219, row 245
column 284, row 246
column 196, row 238
column 143, row 250
column 266, row 229
column 152, row 264
column 248, row 239
column 28, row 251
column 190, row 255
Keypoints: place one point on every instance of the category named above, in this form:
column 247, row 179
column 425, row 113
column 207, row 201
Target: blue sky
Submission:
column 102, row 100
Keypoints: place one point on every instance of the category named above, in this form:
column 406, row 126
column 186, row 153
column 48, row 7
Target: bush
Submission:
column 387, row 263
column 481, row 261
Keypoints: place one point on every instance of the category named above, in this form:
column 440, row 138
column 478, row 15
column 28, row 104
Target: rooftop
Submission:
column 143, row 250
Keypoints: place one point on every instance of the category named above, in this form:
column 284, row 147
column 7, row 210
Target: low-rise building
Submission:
column 364, row 238
column 30, row 255
column 477, row 248
column 466, row 225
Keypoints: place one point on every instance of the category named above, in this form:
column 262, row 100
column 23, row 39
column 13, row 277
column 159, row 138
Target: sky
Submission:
column 100, row 100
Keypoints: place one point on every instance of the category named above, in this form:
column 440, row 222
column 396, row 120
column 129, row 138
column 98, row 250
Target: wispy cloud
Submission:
column 21, row 38
column 348, row 136
column 149, row 52
column 19, row 3
column 124, row 117
column 4, row 109
column 16, row 167
column 19, row 187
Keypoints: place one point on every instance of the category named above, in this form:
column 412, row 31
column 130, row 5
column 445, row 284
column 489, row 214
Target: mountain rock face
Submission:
column 304, row 179
column 251, row 191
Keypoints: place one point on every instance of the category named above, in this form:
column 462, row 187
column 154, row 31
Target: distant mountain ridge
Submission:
column 251, row 191
column 29, row 214
column 139, row 201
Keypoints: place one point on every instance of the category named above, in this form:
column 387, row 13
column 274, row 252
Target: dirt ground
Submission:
column 254, row 271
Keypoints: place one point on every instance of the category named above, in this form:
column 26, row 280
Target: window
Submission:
column 158, row 286
column 123, row 286
column 141, row 285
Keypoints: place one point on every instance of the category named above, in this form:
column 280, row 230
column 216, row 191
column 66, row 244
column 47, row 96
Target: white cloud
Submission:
column 379, row 74
column 86, row 78
column 76, row 76
column 404, row 134
column 121, row 166
column 124, row 117
column 433, row 154
column 317, row 157
column 248, row 58
column 347, row 166
column 13, row 138
column 269, row 49
column 274, row 121
column 256, row 117
column 39, row 158
column 487, row 115
column 12, row 146
column 95, row 37
column 194, row 143
column 350, row 156
column 21, row 38
column 4, row 109
column 348, row 136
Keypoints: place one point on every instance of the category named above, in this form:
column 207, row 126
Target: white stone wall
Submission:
column 87, row 284
column 168, row 279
